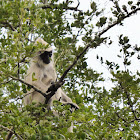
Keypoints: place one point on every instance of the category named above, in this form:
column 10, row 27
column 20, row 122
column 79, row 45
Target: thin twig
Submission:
column 55, row 6
column 11, row 131
column 10, row 134
column 78, row 4
column 6, row 82
column 130, row 104
column 121, row 117
column 7, row 24
column 118, row 21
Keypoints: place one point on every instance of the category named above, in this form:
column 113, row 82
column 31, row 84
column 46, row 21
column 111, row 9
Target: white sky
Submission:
column 131, row 29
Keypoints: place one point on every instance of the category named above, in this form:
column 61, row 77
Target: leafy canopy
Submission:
column 103, row 114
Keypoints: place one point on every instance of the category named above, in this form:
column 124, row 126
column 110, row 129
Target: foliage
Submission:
column 103, row 114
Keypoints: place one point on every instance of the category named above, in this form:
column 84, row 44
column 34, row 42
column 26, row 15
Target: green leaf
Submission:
column 81, row 135
column 101, row 22
column 33, row 77
column 1, row 55
column 130, row 2
column 93, row 6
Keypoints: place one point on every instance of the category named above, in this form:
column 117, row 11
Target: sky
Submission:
column 131, row 29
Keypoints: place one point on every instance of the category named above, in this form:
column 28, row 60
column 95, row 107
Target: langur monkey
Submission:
column 42, row 74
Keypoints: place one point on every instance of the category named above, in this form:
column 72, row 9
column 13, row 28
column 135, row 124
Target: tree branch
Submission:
column 73, row 64
column 78, row 4
column 55, row 6
column 51, row 90
column 6, row 82
column 118, row 21
column 130, row 104
column 11, row 132
column 7, row 24
column 22, row 81
column 91, row 43
column 121, row 117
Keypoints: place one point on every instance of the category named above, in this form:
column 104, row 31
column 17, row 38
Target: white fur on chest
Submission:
column 50, row 71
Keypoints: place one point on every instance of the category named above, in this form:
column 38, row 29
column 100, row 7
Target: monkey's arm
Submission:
column 35, row 78
column 66, row 100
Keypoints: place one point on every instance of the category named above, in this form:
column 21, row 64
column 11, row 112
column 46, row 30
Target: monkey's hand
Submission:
column 73, row 105
column 54, row 86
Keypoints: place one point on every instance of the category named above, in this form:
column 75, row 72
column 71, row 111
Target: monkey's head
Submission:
column 45, row 56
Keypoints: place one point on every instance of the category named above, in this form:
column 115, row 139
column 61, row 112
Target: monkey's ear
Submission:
column 38, row 53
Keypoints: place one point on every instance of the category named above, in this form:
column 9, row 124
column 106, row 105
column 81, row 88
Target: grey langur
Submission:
column 42, row 74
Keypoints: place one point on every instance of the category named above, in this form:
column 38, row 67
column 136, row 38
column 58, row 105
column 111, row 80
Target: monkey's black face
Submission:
column 46, row 57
